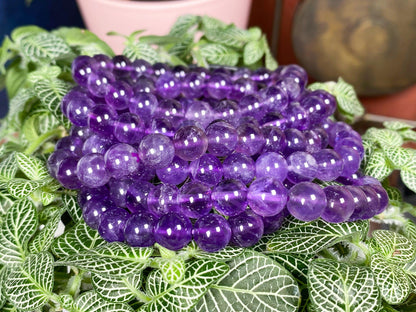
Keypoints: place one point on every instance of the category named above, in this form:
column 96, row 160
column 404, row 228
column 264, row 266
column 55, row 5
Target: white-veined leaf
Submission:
column 377, row 166
column 4, row 273
column 8, row 167
column 336, row 287
column 90, row 301
column 254, row 283
column 396, row 125
column 224, row 254
column 408, row 135
column 22, row 32
column 310, row 237
column 229, row 36
column 296, row 264
column 72, row 206
column 219, row 54
column 410, row 270
column 253, row 52
column 347, row 99
column 22, row 188
column 43, row 46
column 393, row 193
column 391, row 280
column 408, row 175
column 182, row 296
column 211, row 23
column 44, row 238
column 386, row 138
column 140, row 50
column 32, row 167
column 19, row 226
column 399, row 156
column 29, row 286
column 118, row 289
column 111, row 259
column 395, row 247
column 183, row 25
column 409, row 230
column 17, row 106
column 79, row 239
column 44, row 72
column 173, row 270
column 182, row 48
column 48, row 198
column 6, row 201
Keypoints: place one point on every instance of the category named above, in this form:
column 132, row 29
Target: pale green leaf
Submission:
column 409, row 230
column 408, row 175
column 21, row 188
column 29, row 286
column 209, row 22
column 15, row 79
column 182, row 296
column 44, row 238
column 408, row 135
column 254, row 33
column 269, row 60
column 254, row 283
column 386, row 138
column 311, row 237
column 118, row 289
column 219, row 54
column 29, row 131
column 182, row 49
column 183, row 25
column 44, row 72
column 399, row 156
column 253, row 52
column 140, row 50
column 17, row 105
column 377, row 166
column 72, row 206
column 173, row 270
column 410, row 270
column 6, row 201
column 347, row 99
column 225, row 254
column 8, row 167
column 391, row 280
column 79, row 239
column 230, row 36
column 90, row 301
column 327, row 86
column 22, row 32
column 19, row 226
column 48, row 198
column 43, row 46
column 32, row 167
column 395, row 247
column 336, row 287
column 111, row 259
column 396, row 125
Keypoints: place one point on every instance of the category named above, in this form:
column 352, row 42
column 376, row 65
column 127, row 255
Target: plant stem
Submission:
column 74, row 284
column 41, row 139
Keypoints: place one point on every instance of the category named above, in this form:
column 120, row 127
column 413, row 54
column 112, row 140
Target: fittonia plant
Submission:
column 53, row 261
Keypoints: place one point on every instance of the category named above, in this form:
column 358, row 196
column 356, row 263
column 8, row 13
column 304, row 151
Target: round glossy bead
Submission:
column 273, row 223
column 143, row 173
column 77, row 93
column 295, row 71
column 227, row 110
column 121, row 160
column 168, row 86
column 78, row 110
column 136, row 196
column 87, row 194
column 328, row 99
column 261, row 75
column 190, row 143
column 291, row 86
column 353, row 143
column 139, row 230
column 118, row 95
column 122, row 66
column 170, row 109
column 302, row 167
column 297, row 116
column 118, row 190
column 222, row 138
column 275, row 139
column 99, row 81
column 173, row 231
column 128, row 128
column 315, row 108
column 163, row 198
column 82, row 67
column 96, row 144
column 340, row 204
column 240, row 167
column 335, row 130
column 140, row 67
column 163, row 126
column 330, row 164
column 112, row 224
column 80, row 132
column 306, row 201
column 242, row 87
column 246, row 229
column 241, row 72
column 70, row 144
column 313, row 141
column 275, row 99
column 271, row 165
column 373, row 204
column 382, row 196
column 322, row 135
column 55, row 159
column 360, row 203
column 101, row 120
column 67, row 173
column 143, row 105
column 365, row 180
column 195, row 199
column 175, row 173
column 91, row 170
column 160, row 69
column 230, row 197
column 350, row 158
column 250, row 139
column 274, row 119
column 104, row 61
column 353, row 179
column 143, row 84
column 207, row 169
column 251, row 105
column 94, row 209
column 295, row 141
column 193, row 85
column 200, row 112
column 266, row 196
column 156, row 151
column 211, row 232
column 219, row 86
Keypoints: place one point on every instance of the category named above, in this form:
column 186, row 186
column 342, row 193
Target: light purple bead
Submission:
column 156, row 151
column 251, row 105
column 297, row 116
column 168, row 86
column 227, row 110
column 313, row 141
column 350, row 158
column 230, row 197
column 365, row 180
column 315, row 108
column 330, row 164
column 360, row 203
column 340, row 204
column 222, row 138
column 306, row 201
column 163, row 126
column 143, row 105
column 173, row 231
column 67, row 173
column 91, row 170
column 242, row 87
column 139, row 230
column 175, row 173
column 302, row 167
column 250, row 139
column 271, row 165
column 353, row 179
column 70, row 144
column 322, row 135
column 99, row 82
column 295, row 140
column 275, row 99
column 121, row 160
column 291, row 86
column 200, row 112
column 207, row 169
column 128, row 128
column 275, row 139
column 353, row 143
column 163, row 198
column 329, row 101
column 78, row 93
column 193, row 85
column 190, row 143
column 136, row 196
column 297, row 71
column 143, row 173
column 240, row 167
column 219, row 86
column 101, row 120
column 96, row 144
column 80, row 132
column 112, row 224
column 118, row 95
column 211, row 232
column 170, row 109
column 382, row 196
column 195, row 199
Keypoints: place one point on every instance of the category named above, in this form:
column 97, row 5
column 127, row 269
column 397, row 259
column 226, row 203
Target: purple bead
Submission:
column 382, row 196
column 94, row 209
column 122, row 66
column 275, row 139
column 222, row 138
column 275, row 119
column 168, row 86
column 230, row 197
column 322, row 135
column 261, row 75
column 156, row 151
column 67, row 173
column 306, row 201
column 136, row 196
column 365, row 180
column 91, row 170
column 128, row 128
column 207, row 169
column 200, row 112
column 193, row 85
column 87, row 194
column 302, row 167
column 143, row 173
column 143, row 105
column 313, row 141
column 173, row 231
column 55, row 160
column 170, row 109
column 273, row 223
column 242, row 87
column 353, row 143
column 227, row 110
column 295, row 140
column 275, row 99
column 247, row 228
column 139, row 230
column 271, row 165
column 329, row 101
column 195, row 199
column 121, row 160
column 291, row 86
column 211, row 232
column 140, row 67
column 350, row 158
column 180, row 71
column 82, row 67
column 266, row 196
column 163, row 198
column 219, row 86
column 335, row 130
column 160, row 69
column 101, row 120
column 250, row 139
column 360, row 203
column 112, row 224
column 295, row 71
column 353, row 179
column 143, row 85
column 248, row 120
column 99, row 82
column 80, row 132
column 330, row 164
column 175, row 173
column 340, row 204
column 297, row 116
column 104, row 61
column 251, row 105
column 76, row 93
column 190, row 143
column 163, row 126
column 240, row 167
column 241, row 72
column 78, row 110
column 96, row 144
column 118, row 190
column 118, row 95
column 327, row 124
column 315, row 108
column 70, row 144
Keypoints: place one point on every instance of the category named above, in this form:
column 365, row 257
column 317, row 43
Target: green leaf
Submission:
column 183, row 25
column 409, row 230
column 140, row 50
column 48, row 198
column 29, row 286
column 173, row 270
column 396, row 125
column 410, row 270
column 253, row 52
column 19, row 226
column 44, row 238
column 226, row 254
column 377, row 166
column 182, row 48
column 159, row 40
column 394, row 247
column 347, row 99
column 391, row 280
column 254, row 33
column 22, row 32
column 15, row 79
column 111, row 259
column 17, row 105
column 253, row 283
column 230, row 36
column 4, row 273
column 335, row 286
column 182, row 296
column 386, row 138
column 408, row 135
column 22, row 188
column 43, row 46
column 219, row 54
column 8, row 167
column 44, row 72
column 32, row 167
column 90, row 301
column 269, row 60
column 79, row 239
column 327, row 86
column 408, row 175
column 72, row 206
column 296, row 264
column 393, row 193
column 118, row 289
column 311, row 237
column 209, row 22
column 399, row 156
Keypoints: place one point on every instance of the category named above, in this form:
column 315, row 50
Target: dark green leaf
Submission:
column 8, row 167
column 72, row 206
column 22, row 188
column 32, row 167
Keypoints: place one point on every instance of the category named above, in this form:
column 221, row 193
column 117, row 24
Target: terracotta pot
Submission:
column 126, row 16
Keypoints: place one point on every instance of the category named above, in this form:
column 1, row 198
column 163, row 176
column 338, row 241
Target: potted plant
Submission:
column 52, row 260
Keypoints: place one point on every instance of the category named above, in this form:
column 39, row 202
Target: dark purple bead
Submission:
column 315, row 108
column 251, row 105
column 329, row 101
column 70, row 144
column 306, row 201
column 160, row 69
column 104, row 61
column 222, row 138
column 118, row 190
column 139, row 229
column 250, row 139
column 219, row 86
column 365, row 180
column 353, row 179
column 373, row 204
column 87, row 194
column 140, row 67
column 112, row 224
column 350, row 158
column 91, row 170
column 78, row 109
column 122, row 66
column 335, row 130
column 240, row 167
column 193, row 85
column 118, row 95
column 163, row 126
column 247, row 228
column 143, row 84
column 313, row 141
column 156, row 151
column 163, row 198
column 353, row 143
column 67, row 173
column 143, row 105
column 129, row 128
column 297, row 116
column 302, row 167
column 175, row 173
column 242, row 87
column 207, row 169
column 330, row 164
column 55, row 160
column 273, row 223
column 80, row 132
column 296, row 141
column 323, row 136
column 360, row 203
column 82, row 67
column 340, row 204
column 101, row 120
column 211, row 232
column 227, row 110
column 275, row 99
column 173, row 231
column 382, row 196
column 274, row 120
column 241, row 72
column 180, row 71
column 168, row 86
column 190, row 143
column 99, row 82
column 136, row 196
column 200, row 112
column 195, row 199
column 230, row 197
column 94, row 209
column 261, row 75
column 275, row 139
column 170, row 109
column 96, row 144
column 143, row 173
column 76, row 93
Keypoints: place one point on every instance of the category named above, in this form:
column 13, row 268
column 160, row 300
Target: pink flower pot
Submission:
column 156, row 17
